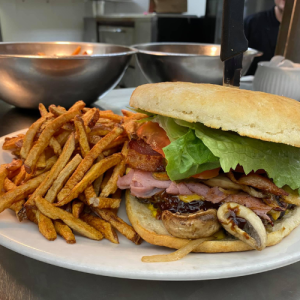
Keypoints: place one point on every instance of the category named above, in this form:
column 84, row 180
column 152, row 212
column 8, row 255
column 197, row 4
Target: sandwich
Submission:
column 212, row 164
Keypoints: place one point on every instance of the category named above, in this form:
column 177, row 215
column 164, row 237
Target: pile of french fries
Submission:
column 64, row 176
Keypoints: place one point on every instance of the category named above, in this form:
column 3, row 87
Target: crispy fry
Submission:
column 94, row 139
column 62, row 178
column 89, row 192
column 20, row 177
column 59, row 165
column 3, row 175
column 95, row 171
column 178, row 254
column 10, row 143
column 111, row 151
column 111, row 116
column 77, row 208
column 106, row 177
column 117, row 142
column 98, row 181
column 87, row 162
column 14, row 165
column 46, row 226
column 43, row 110
column 118, row 224
column 57, row 111
column 49, row 164
column 30, row 134
column 76, row 224
column 104, row 227
column 31, row 215
column 77, row 50
column 82, row 137
column 118, row 171
column 20, row 192
column 55, row 145
column 41, row 163
column 129, row 115
column 13, row 174
column 17, row 206
column 101, row 202
column 91, row 117
column 63, row 137
column 68, row 126
column 45, row 137
column 65, row 231
column 99, row 130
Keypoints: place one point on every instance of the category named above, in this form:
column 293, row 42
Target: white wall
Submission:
column 61, row 20
column 42, row 20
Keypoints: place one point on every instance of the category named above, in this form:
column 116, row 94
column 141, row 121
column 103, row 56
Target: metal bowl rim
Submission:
column 159, row 53
column 68, row 57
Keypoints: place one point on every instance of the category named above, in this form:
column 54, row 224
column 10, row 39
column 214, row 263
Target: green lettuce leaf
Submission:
column 188, row 156
column 280, row 161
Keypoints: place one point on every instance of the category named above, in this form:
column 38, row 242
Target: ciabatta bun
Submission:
column 154, row 232
column 254, row 114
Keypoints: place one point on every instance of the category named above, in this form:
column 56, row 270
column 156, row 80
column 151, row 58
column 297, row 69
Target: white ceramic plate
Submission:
column 124, row 260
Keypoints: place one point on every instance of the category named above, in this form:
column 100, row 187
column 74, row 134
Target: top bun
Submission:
column 254, row 114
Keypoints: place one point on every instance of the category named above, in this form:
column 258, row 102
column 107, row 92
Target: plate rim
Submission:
column 52, row 259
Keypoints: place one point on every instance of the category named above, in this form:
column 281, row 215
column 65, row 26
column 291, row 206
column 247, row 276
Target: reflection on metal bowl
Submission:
column 199, row 63
column 57, row 77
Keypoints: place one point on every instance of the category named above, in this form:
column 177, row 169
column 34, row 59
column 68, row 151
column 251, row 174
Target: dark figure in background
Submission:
column 261, row 30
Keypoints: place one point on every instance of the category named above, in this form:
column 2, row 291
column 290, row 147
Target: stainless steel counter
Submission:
column 23, row 278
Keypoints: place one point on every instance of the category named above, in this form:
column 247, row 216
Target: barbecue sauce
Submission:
column 234, row 219
column 164, row 201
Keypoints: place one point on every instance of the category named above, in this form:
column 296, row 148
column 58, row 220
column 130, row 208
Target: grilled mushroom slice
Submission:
column 244, row 224
column 193, row 225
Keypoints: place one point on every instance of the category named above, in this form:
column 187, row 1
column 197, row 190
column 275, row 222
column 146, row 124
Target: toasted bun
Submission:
column 154, row 232
column 254, row 114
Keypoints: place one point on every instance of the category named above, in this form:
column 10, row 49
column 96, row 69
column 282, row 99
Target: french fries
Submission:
column 76, row 224
column 88, row 161
column 3, row 175
column 43, row 141
column 65, row 231
column 20, row 192
column 119, row 170
column 95, row 171
column 62, row 178
column 119, row 224
column 66, row 174
column 101, row 202
column 77, row 208
column 82, row 137
column 46, row 226
column 104, row 227
column 53, row 173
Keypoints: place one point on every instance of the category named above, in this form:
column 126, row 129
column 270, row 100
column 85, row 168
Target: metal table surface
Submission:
column 23, row 278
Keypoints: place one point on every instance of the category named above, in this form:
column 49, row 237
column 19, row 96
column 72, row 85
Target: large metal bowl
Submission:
column 59, row 78
column 198, row 63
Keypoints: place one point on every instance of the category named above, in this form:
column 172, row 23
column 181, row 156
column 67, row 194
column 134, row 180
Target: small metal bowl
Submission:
column 58, row 77
column 198, row 63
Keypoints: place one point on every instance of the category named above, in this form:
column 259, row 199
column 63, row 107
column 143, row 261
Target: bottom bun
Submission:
column 154, row 232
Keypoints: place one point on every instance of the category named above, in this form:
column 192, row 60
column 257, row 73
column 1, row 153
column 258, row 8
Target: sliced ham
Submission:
column 125, row 181
column 146, row 179
column 143, row 185
column 198, row 188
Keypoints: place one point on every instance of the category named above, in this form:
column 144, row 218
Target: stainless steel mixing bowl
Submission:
column 199, row 63
column 59, row 78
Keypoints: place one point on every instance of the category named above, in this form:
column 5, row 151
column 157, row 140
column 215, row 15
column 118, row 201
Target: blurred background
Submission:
column 121, row 22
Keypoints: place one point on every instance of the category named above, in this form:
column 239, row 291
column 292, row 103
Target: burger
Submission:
column 212, row 163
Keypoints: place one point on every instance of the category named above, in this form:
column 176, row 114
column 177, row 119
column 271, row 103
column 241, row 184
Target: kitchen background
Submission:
column 121, row 22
